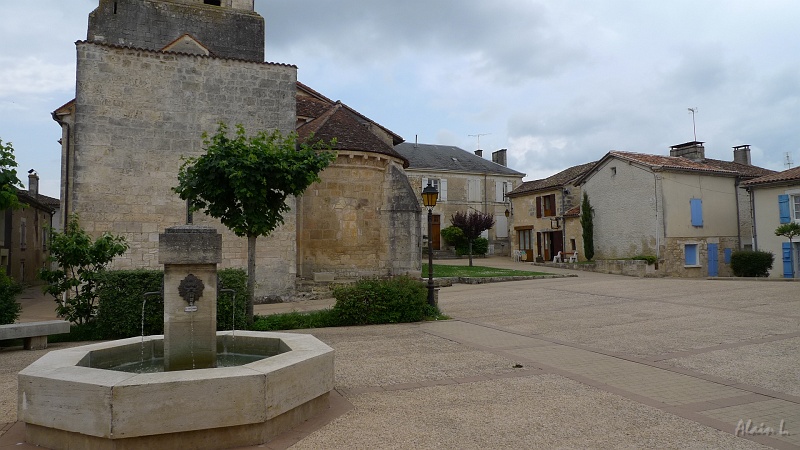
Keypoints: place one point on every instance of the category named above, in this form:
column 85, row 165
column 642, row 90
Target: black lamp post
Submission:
column 429, row 197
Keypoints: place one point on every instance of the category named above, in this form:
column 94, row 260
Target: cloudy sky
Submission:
column 558, row 83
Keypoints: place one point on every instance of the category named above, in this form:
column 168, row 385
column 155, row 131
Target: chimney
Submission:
column 741, row 155
column 33, row 183
column 479, row 153
column 691, row 150
column 499, row 157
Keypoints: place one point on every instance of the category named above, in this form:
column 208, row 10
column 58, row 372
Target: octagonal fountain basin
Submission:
column 72, row 398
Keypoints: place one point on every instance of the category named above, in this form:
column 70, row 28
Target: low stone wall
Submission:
column 633, row 268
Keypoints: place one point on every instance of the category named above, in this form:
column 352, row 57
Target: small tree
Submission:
column 8, row 178
column 9, row 307
column 789, row 231
column 587, row 226
column 244, row 182
column 74, row 284
column 472, row 224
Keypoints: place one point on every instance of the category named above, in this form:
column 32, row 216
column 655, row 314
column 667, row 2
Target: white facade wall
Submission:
column 767, row 219
column 626, row 222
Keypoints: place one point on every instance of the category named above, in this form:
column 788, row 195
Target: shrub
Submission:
column 747, row 263
column 296, row 320
column 121, row 299
column 649, row 258
column 375, row 301
column 454, row 236
column 9, row 308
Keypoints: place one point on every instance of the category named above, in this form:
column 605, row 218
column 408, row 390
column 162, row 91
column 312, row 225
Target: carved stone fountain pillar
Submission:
column 190, row 255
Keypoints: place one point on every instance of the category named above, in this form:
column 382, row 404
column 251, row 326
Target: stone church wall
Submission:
column 358, row 220
column 139, row 112
column 228, row 33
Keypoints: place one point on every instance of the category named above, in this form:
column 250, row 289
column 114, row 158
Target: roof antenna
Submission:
column 694, row 128
column 787, row 162
column 479, row 138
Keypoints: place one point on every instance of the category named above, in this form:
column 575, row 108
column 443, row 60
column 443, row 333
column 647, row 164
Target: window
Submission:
column 549, row 205
column 474, row 190
column 796, row 206
column 525, row 240
column 500, row 190
column 696, row 206
column 440, row 184
column 213, row 2
column 44, row 239
column 23, row 235
column 572, row 245
column 691, row 256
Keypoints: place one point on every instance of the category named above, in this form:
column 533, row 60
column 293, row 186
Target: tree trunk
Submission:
column 470, row 252
column 251, row 276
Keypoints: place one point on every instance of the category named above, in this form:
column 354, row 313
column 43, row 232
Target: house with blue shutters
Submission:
column 776, row 200
column 688, row 211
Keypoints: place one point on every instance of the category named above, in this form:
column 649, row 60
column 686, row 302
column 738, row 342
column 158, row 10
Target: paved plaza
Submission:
column 594, row 361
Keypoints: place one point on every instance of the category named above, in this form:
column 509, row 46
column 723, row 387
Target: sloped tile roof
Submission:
column 573, row 212
column 562, row 178
column 450, row 158
column 744, row 170
column 670, row 163
column 312, row 104
column 41, row 201
column 340, row 123
column 789, row 175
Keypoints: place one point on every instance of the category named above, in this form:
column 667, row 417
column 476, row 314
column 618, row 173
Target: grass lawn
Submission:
column 440, row 270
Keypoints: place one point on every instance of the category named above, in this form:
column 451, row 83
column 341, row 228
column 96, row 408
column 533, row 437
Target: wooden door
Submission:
column 435, row 231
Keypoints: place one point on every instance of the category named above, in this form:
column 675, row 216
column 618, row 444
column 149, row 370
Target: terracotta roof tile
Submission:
column 744, row 170
column 573, row 212
column 349, row 131
column 562, row 178
column 788, row 175
column 670, row 163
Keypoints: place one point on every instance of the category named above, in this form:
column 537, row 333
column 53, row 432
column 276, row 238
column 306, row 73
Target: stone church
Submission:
column 153, row 75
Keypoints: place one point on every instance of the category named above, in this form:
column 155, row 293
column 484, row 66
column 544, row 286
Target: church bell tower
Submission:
column 227, row 28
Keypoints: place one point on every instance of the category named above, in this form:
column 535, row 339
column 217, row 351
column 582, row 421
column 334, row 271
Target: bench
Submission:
column 33, row 334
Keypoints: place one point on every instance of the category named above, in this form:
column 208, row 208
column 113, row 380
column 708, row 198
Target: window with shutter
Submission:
column 783, row 208
column 696, row 206
column 538, row 207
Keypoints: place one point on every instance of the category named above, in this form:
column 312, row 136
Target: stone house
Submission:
column 24, row 233
column 465, row 182
column 153, row 76
column 776, row 200
column 545, row 216
column 685, row 209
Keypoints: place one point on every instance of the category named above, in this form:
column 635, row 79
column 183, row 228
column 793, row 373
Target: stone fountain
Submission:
column 79, row 398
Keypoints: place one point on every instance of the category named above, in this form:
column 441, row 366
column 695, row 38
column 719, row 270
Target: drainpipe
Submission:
column 658, row 235
column 65, row 200
column 753, row 218
column 738, row 216
column 563, row 222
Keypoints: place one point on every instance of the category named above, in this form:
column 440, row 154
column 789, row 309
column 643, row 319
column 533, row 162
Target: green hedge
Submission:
column 119, row 312
column 747, row 263
column 9, row 308
column 374, row 301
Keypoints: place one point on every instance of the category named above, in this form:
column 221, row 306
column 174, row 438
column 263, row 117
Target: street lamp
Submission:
column 429, row 196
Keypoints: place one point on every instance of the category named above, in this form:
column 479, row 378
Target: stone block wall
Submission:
column 149, row 24
column 673, row 257
column 357, row 221
column 137, row 114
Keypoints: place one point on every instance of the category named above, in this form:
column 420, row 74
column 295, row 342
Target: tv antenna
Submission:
column 787, row 162
column 694, row 128
column 479, row 138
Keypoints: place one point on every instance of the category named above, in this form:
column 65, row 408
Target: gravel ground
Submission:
column 772, row 365
column 544, row 411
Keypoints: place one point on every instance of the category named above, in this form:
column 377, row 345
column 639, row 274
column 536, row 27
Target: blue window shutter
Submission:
column 728, row 253
column 787, row 260
column 697, row 212
column 783, row 207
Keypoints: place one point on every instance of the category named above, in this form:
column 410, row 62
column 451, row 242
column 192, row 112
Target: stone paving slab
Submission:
column 768, row 413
